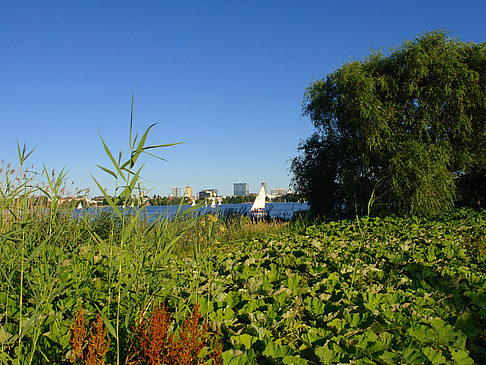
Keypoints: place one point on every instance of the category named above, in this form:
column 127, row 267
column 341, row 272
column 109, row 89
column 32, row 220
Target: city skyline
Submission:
column 191, row 191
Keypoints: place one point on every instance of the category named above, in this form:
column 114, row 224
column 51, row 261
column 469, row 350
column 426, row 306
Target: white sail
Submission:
column 259, row 200
column 213, row 203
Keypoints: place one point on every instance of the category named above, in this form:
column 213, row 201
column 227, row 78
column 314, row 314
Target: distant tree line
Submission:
column 405, row 129
column 239, row 199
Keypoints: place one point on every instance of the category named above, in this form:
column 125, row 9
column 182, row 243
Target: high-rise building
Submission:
column 188, row 192
column 176, row 192
column 240, row 188
column 265, row 186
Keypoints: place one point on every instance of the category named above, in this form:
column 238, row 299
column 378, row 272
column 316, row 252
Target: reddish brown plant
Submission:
column 90, row 351
column 78, row 335
column 97, row 344
column 153, row 344
column 151, row 337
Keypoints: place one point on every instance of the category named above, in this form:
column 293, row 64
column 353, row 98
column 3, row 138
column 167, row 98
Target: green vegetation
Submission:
column 368, row 290
column 117, row 266
column 165, row 200
column 372, row 290
column 239, row 199
column 409, row 124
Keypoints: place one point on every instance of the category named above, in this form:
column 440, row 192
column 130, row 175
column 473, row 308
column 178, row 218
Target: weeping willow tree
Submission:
column 408, row 125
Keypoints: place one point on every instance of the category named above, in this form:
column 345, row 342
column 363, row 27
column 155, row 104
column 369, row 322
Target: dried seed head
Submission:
column 78, row 335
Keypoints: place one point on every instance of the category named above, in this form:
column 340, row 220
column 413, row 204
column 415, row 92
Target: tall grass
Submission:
column 116, row 265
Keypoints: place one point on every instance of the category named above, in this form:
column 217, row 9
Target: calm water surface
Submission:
column 276, row 210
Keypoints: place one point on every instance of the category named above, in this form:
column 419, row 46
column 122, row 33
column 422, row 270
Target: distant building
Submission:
column 188, row 192
column 203, row 194
column 208, row 193
column 278, row 191
column 99, row 199
column 265, row 186
column 176, row 192
column 240, row 188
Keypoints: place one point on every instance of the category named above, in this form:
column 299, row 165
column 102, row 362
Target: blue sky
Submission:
column 225, row 77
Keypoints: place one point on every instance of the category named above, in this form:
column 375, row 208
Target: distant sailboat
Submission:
column 193, row 203
column 80, row 206
column 258, row 208
column 213, row 203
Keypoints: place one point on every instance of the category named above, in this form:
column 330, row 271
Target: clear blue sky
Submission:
column 226, row 77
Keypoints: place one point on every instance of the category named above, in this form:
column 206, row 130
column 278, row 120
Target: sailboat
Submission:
column 213, row 203
column 80, row 206
column 258, row 208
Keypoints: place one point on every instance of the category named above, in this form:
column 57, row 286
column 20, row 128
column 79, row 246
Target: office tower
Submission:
column 240, row 188
column 176, row 192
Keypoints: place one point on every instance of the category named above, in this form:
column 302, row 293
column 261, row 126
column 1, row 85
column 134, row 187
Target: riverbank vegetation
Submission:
column 370, row 290
column 118, row 288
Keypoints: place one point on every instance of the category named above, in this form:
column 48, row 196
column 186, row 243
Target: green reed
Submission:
column 114, row 264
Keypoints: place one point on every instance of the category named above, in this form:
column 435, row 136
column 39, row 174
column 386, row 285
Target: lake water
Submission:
column 276, row 210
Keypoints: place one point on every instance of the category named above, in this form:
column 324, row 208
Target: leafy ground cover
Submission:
column 371, row 290
column 367, row 291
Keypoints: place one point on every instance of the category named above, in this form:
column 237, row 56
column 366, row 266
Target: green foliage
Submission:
column 238, row 199
column 164, row 200
column 369, row 291
column 113, row 263
column 414, row 119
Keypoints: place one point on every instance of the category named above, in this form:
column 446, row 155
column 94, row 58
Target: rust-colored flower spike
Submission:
column 217, row 354
column 153, row 344
column 78, row 335
column 153, row 340
column 192, row 337
column 97, row 344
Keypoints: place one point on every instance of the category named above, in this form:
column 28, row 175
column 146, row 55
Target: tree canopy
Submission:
column 407, row 125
